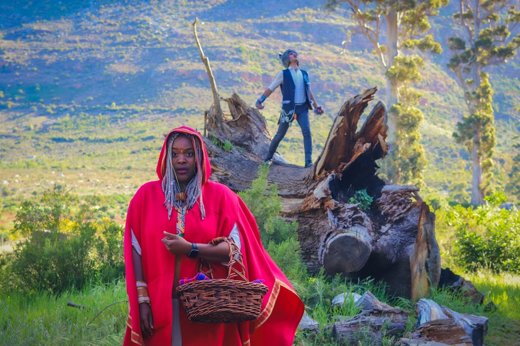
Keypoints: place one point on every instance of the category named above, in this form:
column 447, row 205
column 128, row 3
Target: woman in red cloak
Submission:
column 176, row 216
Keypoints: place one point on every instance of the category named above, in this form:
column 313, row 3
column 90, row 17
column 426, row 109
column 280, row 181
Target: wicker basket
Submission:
column 223, row 300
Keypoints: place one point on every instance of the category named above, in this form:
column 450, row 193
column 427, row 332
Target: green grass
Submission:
column 504, row 291
column 47, row 320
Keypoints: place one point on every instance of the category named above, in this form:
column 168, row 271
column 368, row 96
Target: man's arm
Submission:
column 317, row 107
column 267, row 93
column 275, row 84
column 315, row 103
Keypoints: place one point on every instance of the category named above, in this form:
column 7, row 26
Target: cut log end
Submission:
column 347, row 251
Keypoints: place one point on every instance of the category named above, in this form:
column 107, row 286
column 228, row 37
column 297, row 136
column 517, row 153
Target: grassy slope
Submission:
column 89, row 88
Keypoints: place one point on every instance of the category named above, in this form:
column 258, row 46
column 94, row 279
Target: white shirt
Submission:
column 299, row 88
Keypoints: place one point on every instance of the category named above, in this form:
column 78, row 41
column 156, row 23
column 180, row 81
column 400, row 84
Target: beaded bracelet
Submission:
column 143, row 300
column 141, row 284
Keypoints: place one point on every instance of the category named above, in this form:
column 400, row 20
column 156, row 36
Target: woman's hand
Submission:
column 176, row 245
column 146, row 317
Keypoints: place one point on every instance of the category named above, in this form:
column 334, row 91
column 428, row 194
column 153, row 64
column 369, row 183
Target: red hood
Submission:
column 204, row 164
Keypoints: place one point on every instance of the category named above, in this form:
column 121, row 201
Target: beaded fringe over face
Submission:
column 170, row 185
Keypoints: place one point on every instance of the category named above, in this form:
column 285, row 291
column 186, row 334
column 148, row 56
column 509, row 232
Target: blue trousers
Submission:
column 303, row 120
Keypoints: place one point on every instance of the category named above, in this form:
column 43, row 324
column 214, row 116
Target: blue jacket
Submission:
column 288, row 89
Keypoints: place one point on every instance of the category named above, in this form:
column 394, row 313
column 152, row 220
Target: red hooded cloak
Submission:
column 147, row 217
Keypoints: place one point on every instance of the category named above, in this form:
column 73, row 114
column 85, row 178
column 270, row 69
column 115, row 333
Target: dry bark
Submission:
column 445, row 331
column 212, row 82
column 429, row 312
column 393, row 241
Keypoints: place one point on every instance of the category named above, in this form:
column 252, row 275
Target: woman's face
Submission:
column 183, row 159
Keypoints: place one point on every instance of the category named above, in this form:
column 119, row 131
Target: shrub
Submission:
column 278, row 236
column 486, row 236
column 264, row 203
column 64, row 246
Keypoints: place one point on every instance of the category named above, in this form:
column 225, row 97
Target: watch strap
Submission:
column 194, row 252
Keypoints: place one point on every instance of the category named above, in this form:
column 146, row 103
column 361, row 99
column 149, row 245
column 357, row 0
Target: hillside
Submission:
column 88, row 88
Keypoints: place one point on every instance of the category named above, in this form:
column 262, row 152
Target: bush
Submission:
column 278, row 236
column 64, row 246
column 264, row 203
column 486, row 236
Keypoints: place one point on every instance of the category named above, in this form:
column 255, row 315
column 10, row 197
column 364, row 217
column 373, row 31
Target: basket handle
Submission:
column 235, row 256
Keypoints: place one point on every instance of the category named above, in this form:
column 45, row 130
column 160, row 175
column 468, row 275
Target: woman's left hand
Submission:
column 176, row 245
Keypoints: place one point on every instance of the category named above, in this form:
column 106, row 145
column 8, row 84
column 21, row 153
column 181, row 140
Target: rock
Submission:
column 340, row 298
column 308, row 324
column 457, row 283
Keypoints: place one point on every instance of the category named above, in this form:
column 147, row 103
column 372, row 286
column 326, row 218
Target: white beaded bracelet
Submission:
column 143, row 300
column 141, row 284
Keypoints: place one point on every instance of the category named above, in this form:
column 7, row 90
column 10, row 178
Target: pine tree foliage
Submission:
column 486, row 40
column 408, row 159
column 403, row 27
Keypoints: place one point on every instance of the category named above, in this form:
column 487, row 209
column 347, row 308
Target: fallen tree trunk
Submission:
column 392, row 240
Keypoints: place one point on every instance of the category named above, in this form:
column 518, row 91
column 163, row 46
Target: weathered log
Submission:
column 375, row 320
column 474, row 326
column 393, row 241
column 445, row 331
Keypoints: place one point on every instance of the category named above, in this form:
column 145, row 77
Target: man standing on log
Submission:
column 297, row 99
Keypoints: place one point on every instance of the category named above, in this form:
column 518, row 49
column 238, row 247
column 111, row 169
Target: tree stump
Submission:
column 393, row 241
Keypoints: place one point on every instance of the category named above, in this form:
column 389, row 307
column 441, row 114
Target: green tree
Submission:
column 397, row 30
column 485, row 41
column 408, row 159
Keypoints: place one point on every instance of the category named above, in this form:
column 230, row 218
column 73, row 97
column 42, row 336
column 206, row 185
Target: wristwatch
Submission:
column 194, row 252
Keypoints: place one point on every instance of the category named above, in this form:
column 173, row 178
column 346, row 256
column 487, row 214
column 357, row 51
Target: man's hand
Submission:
column 260, row 102
column 318, row 110
column 176, row 245
column 146, row 317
